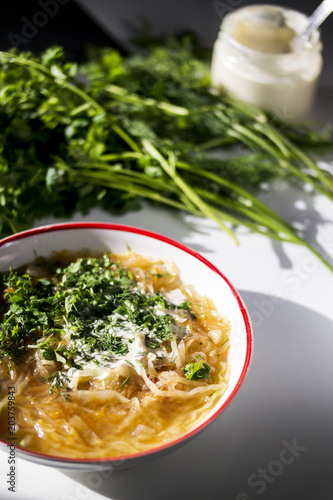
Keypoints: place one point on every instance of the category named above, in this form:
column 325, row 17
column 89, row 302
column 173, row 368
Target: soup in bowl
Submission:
column 117, row 344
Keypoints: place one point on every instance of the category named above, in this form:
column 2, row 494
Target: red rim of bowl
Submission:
column 165, row 239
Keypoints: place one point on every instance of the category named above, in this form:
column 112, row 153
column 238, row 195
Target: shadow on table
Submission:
column 301, row 210
column 323, row 110
column 274, row 441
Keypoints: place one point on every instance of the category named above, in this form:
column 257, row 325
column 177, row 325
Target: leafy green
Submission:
column 124, row 382
column 28, row 311
column 197, row 370
column 115, row 130
column 187, row 307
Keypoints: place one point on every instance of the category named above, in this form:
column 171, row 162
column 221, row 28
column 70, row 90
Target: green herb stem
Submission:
column 62, row 82
column 187, row 190
column 123, row 95
column 242, row 195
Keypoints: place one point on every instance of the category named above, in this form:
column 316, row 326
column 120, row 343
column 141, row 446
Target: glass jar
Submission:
column 255, row 59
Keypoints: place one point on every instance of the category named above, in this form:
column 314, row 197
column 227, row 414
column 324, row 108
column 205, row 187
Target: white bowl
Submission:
column 194, row 269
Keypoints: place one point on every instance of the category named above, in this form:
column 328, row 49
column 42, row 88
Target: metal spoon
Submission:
column 315, row 20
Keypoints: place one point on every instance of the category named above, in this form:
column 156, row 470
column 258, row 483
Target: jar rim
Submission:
column 313, row 45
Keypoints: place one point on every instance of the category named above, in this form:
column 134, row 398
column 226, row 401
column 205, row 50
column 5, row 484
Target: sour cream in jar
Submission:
column 255, row 59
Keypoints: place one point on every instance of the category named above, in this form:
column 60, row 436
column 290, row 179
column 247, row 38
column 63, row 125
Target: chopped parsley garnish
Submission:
column 197, row 370
column 87, row 311
column 187, row 307
column 124, row 382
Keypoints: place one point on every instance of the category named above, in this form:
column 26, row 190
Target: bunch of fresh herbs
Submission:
column 116, row 130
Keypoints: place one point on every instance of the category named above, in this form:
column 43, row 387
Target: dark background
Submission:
column 112, row 22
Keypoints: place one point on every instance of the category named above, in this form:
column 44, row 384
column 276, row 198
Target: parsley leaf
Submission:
column 197, row 370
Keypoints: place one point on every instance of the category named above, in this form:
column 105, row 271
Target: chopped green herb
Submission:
column 59, row 382
column 197, row 370
column 124, row 382
column 161, row 275
column 187, row 307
